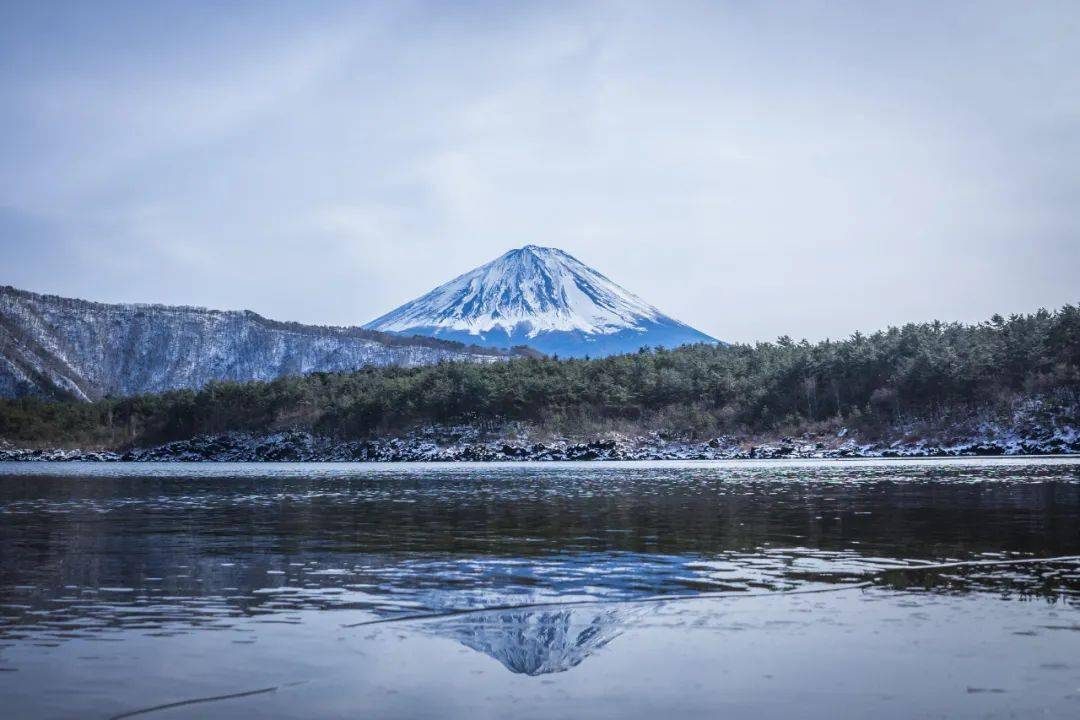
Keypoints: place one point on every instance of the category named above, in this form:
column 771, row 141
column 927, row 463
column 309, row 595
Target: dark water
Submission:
column 581, row 590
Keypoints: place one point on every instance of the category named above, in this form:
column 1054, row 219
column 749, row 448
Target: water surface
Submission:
column 771, row 589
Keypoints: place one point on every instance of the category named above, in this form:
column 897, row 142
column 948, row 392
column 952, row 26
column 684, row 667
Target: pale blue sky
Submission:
column 751, row 169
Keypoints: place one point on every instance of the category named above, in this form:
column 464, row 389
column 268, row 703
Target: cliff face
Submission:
column 61, row 347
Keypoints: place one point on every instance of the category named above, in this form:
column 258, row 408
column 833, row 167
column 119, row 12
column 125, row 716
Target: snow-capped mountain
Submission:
column 60, row 347
column 544, row 298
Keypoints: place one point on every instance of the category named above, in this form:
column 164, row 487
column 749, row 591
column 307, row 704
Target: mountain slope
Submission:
column 60, row 347
column 544, row 298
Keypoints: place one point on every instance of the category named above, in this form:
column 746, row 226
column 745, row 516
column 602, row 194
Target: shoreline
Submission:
column 517, row 463
column 466, row 444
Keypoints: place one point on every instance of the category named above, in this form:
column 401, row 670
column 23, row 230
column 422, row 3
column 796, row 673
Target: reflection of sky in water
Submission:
column 214, row 591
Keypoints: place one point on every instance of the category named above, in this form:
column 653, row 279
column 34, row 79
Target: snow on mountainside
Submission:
column 59, row 347
column 544, row 298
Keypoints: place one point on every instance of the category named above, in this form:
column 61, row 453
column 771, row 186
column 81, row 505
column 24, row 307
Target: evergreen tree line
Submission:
column 918, row 370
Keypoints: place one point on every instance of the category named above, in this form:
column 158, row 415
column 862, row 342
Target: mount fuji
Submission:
column 544, row 298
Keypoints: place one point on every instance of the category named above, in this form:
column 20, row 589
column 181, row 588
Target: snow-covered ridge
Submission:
column 528, row 293
column 54, row 346
column 544, row 288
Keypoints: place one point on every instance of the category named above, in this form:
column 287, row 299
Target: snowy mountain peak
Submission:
column 540, row 296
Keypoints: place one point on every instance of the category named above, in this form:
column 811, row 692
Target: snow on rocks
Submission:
column 468, row 444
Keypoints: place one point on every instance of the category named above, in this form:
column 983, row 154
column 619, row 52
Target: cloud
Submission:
column 805, row 169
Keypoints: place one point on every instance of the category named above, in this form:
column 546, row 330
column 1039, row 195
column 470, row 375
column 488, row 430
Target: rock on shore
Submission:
column 465, row 443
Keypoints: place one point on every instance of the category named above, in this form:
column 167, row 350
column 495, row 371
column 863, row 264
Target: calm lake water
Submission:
column 609, row 590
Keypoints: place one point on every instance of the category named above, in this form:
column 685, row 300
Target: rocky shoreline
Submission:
column 467, row 444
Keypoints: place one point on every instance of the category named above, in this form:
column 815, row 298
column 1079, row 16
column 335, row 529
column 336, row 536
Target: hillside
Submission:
column 912, row 379
column 64, row 348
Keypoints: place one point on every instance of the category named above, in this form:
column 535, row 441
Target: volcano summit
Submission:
column 544, row 298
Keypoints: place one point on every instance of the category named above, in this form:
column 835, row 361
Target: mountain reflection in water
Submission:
column 537, row 642
column 548, row 639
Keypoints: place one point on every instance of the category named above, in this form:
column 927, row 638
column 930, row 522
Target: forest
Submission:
column 923, row 370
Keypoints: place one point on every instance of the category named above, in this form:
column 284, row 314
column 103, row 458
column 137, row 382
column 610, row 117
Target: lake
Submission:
column 809, row 589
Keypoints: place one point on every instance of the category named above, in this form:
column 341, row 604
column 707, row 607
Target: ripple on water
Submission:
column 181, row 547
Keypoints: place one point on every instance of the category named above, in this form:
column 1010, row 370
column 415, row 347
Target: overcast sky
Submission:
column 753, row 169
